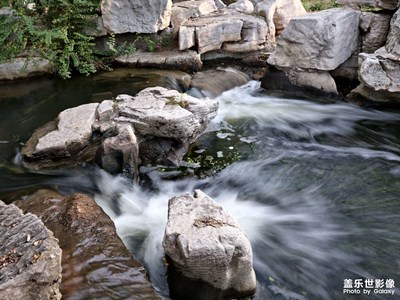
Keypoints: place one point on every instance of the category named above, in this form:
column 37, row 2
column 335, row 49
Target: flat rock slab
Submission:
column 19, row 68
column 67, row 137
column 321, row 40
column 95, row 262
column 30, row 257
column 207, row 250
column 188, row 61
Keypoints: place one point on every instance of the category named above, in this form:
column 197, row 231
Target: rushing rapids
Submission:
column 315, row 185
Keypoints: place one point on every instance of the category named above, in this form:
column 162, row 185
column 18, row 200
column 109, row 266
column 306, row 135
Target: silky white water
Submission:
column 295, row 190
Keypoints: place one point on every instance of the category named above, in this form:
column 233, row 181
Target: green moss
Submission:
column 317, row 5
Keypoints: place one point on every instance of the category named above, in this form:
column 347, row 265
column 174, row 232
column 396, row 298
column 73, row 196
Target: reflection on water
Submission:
column 316, row 189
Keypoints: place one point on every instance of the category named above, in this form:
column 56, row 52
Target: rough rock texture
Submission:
column 18, row 68
column 69, row 136
column 379, row 73
column 216, row 30
column 153, row 113
column 95, row 263
column 188, row 61
column 120, row 153
column 321, row 40
column 186, row 10
column 243, row 6
column 135, row 16
column 386, row 4
column 30, row 257
column 363, row 94
column 393, row 39
column 374, row 27
column 205, row 245
column 159, row 112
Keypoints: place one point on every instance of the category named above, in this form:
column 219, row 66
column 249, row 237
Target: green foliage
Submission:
column 317, row 5
column 53, row 29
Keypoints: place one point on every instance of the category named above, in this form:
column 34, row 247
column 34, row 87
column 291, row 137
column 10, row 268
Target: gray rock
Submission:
column 69, row 137
column 214, row 31
column 30, row 257
column 375, row 28
column 19, row 68
column 393, row 39
column 386, row 4
column 186, row 10
column 162, row 151
column 135, row 16
column 379, row 73
column 363, row 94
column 243, row 6
column 120, row 153
column 206, row 248
column 159, row 112
column 212, row 83
column 319, row 80
column 95, row 262
column 188, row 61
column 278, row 13
column 321, row 40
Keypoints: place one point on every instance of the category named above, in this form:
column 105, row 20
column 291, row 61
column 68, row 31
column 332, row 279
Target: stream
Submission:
column 315, row 184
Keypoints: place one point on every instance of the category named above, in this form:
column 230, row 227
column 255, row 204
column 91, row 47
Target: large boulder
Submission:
column 135, row 16
column 30, row 257
column 225, row 29
column 243, row 6
column 121, row 126
column 95, row 262
column 321, row 40
column 159, row 112
column 385, row 4
column 209, row 255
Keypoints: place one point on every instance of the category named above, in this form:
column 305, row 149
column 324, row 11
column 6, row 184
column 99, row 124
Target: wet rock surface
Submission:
column 19, row 68
column 30, row 257
column 95, row 262
column 207, row 251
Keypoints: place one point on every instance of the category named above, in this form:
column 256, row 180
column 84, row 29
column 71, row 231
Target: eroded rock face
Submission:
column 121, row 127
column 320, row 41
column 227, row 30
column 379, row 73
column 375, row 28
column 393, row 39
column 91, row 249
column 135, row 16
column 166, row 113
column 207, row 250
column 30, row 257
column 386, row 4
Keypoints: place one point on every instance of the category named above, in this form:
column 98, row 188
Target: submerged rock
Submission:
column 95, row 262
column 30, row 257
column 209, row 255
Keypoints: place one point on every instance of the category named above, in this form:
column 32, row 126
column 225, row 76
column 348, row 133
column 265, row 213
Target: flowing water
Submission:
column 315, row 185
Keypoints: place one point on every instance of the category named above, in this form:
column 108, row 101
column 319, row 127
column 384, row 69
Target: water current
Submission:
column 315, row 185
